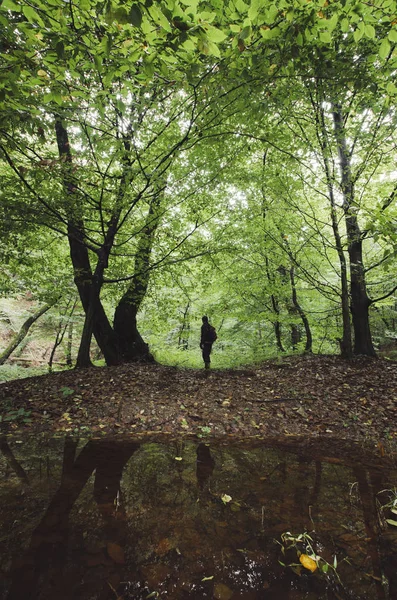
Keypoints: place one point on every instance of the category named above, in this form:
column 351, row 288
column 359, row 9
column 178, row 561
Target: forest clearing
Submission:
column 198, row 299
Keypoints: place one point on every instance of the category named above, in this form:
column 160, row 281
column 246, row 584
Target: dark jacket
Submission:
column 206, row 337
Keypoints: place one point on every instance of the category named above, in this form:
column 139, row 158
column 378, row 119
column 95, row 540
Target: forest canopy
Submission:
column 166, row 159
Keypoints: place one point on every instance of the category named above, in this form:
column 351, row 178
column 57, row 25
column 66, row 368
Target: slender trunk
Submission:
column 295, row 334
column 276, row 309
column 276, row 323
column 301, row 312
column 132, row 346
column 62, row 328
column 12, row 461
column 183, row 341
column 22, row 333
column 69, row 343
column 291, row 308
column 58, row 341
column 346, row 341
column 360, row 301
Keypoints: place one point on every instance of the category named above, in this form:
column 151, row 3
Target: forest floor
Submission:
column 307, row 396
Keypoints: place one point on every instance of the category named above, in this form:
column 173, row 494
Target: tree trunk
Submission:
column 68, row 355
column 277, row 324
column 98, row 322
column 346, row 341
column 301, row 312
column 360, row 301
column 58, row 341
column 276, row 308
column 183, row 338
column 131, row 345
column 22, row 333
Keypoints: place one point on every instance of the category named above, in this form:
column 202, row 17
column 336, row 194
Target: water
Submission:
column 106, row 519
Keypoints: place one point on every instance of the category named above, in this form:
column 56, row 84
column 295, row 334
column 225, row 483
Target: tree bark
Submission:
column 276, row 323
column 346, row 340
column 183, row 338
column 22, row 333
column 276, row 309
column 360, row 301
column 68, row 355
column 301, row 312
column 131, row 345
column 97, row 322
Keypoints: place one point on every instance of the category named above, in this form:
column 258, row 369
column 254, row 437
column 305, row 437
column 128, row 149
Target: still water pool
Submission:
column 121, row 519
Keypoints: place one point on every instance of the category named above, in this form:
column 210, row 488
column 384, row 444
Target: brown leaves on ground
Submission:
column 305, row 395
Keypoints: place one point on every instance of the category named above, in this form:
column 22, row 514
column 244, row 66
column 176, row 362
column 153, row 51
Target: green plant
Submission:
column 303, row 545
column 391, row 505
column 66, row 391
column 205, row 430
column 21, row 415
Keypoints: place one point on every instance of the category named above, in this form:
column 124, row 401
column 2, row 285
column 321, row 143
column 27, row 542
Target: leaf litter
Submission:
column 307, row 396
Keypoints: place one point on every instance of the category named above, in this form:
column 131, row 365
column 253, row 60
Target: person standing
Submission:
column 208, row 337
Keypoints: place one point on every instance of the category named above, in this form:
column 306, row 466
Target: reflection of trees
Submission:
column 205, row 465
column 180, row 530
column 46, row 553
column 12, row 461
column 369, row 484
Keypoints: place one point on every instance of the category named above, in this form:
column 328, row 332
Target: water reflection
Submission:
column 109, row 519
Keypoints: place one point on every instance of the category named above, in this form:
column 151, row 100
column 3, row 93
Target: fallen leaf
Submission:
column 308, row 562
column 226, row 498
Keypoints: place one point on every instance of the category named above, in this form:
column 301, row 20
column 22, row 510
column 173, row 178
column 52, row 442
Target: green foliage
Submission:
column 8, row 372
column 16, row 416
column 197, row 165
column 66, row 391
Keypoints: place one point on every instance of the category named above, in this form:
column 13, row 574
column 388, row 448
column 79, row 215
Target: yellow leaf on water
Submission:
column 308, row 562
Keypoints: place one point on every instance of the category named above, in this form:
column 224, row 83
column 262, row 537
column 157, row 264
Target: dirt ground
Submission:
column 309, row 396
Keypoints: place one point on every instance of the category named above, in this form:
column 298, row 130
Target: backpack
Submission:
column 212, row 337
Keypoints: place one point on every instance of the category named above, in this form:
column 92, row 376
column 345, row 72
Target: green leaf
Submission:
column 214, row 34
column 384, row 48
column 392, row 35
column 10, row 5
column 191, row 3
column 241, row 6
column 98, row 62
column 60, row 49
column 253, row 11
column 213, row 49
column 358, row 34
column 32, row 15
column 332, row 23
column 189, row 45
column 344, row 25
column 370, row 31
column 246, row 32
column 326, row 37
column 267, row 33
column 391, row 522
column 121, row 15
column 160, row 18
column 135, row 16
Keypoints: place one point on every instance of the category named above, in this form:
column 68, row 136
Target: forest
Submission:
column 162, row 160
